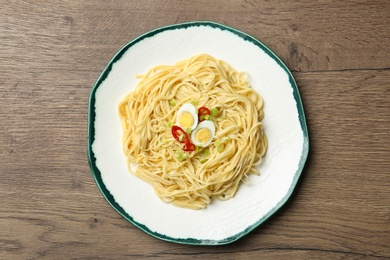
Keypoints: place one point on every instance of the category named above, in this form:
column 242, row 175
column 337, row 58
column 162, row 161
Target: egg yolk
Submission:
column 203, row 135
column 186, row 120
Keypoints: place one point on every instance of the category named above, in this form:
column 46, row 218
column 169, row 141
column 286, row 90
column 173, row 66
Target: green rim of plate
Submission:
column 91, row 133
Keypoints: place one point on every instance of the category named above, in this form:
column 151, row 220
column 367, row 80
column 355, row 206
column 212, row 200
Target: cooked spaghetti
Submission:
column 191, row 179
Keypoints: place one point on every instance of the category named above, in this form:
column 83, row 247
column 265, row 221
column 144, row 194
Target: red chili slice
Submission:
column 202, row 112
column 176, row 132
column 189, row 147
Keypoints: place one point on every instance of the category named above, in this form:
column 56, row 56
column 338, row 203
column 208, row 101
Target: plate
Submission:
column 221, row 222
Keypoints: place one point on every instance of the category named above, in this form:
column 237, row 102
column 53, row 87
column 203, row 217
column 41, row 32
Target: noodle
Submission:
column 192, row 179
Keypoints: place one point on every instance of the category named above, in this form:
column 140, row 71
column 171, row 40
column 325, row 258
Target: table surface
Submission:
column 51, row 54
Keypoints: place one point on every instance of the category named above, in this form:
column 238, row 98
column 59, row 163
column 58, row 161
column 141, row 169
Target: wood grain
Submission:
column 51, row 54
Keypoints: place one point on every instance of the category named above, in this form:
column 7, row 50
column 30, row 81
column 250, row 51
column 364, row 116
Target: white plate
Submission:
column 284, row 124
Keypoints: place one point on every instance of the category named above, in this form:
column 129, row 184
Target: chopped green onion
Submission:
column 198, row 148
column 223, row 117
column 221, row 148
column 188, row 130
column 194, row 102
column 214, row 111
column 170, row 124
column 225, row 139
column 201, row 117
column 217, row 143
column 207, row 117
column 181, row 156
column 172, row 102
column 202, row 160
column 206, row 152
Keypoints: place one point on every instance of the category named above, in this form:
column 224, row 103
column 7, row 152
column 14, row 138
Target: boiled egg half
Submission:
column 187, row 117
column 203, row 134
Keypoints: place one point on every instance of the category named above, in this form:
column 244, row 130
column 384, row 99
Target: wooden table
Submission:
column 51, row 54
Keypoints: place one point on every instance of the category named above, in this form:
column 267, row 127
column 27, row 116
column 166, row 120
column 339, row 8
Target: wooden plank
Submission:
column 321, row 35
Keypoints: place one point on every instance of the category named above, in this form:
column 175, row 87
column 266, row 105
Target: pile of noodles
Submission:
column 192, row 179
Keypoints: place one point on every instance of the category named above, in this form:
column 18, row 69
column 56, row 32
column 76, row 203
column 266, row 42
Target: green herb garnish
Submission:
column 181, row 156
column 172, row 102
column 198, row 148
column 225, row 139
column 214, row 112
column 194, row 102
column 221, row 148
